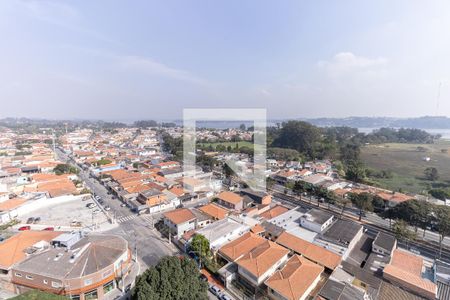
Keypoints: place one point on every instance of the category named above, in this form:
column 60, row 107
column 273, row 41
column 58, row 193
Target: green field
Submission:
column 226, row 144
column 407, row 163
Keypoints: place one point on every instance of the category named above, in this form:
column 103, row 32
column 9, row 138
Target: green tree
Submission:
column 441, row 194
column 362, row 201
column 402, row 231
column 301, row 136
column 65, row 169
column 200, row 246
column 431, row 174
column 173, row 278
column 355, row 171
column 443, row 223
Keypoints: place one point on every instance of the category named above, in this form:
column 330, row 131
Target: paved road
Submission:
column 143, row 239
column 425, row 250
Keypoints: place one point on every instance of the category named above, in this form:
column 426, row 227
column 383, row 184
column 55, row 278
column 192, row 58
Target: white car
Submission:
column 214, row 289
column 107, row 208
column 123, row 205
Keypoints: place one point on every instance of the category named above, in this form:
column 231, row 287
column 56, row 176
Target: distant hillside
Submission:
column 426, row 122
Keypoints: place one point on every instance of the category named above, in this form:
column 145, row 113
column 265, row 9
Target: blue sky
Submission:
column 129, row 60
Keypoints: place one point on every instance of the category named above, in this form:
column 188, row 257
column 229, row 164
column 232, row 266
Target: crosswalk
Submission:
column 146, row 218
column 126, row 218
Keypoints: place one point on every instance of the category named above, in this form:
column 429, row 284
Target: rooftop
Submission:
column 214, row 211
column 241, row 246
column 180, row 215
column 295, row 278
column 309, row 250
column 89, row 255
column 13, row 249
column 342, row 231
column 262, row 258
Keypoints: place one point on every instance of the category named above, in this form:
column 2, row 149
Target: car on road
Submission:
column 225, row 297
column 48, row 229
column 214, row 289
column 100, row 201
column 30, row 220
column 24, row 228
column 107, row 208
column 90, row 205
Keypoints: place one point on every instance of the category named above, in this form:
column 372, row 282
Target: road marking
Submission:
column 126, row 218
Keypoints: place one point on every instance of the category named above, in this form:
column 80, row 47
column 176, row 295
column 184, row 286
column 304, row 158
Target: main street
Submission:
column 143, row 239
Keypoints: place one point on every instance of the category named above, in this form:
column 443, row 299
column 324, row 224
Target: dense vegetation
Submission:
column 145, row 124
column 65, row 169
column 173, row 278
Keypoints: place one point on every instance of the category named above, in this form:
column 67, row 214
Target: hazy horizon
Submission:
column 115, row 61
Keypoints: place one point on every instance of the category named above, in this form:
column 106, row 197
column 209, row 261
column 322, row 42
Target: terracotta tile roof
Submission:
column 214, row 211
column 180, row 215
column 11, row 204
column 179, row 191
column 274, row 212
column 230, row 197
column 12, row 249
column 406, row 268
column 309, row 250
column 257, row 229
column 295, row 278
column 241, row 246
column 262, row 258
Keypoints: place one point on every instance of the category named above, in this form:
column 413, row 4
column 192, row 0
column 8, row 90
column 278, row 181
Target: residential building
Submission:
column 384, row 244
column 316, row 220
column 230, row 200
column 260, row 263
column 295, row 281
column 179, row 221
column 240, row 246
column 221, row 232
column 406, row 270
column 89, row 269
column 216, row 212
column 315, row 253
column 257, row 196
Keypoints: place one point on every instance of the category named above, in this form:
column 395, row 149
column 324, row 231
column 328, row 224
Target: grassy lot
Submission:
column 407, row 164
column 226, row 144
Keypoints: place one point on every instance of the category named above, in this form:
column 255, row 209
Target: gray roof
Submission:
column 151, row 193
column 317, row 216
column 342, row 231
column 89, row 255
column 385, row 241
column 342, row 291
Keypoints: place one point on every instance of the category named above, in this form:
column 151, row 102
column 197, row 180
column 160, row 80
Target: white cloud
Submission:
column 348, row 62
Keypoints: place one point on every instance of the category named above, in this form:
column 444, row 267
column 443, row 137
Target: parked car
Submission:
column 203, row 278
column 1, row 239
column 123, row 205
column 96, row 211
column 225, row 297
column 214, row 289
column 30, row 220
column 37, row 220
column 107, row 208
column 90, row 205
column 23, row 228
column 49, row 229
column 75, row 223
column 100, row 201
column 128, row 288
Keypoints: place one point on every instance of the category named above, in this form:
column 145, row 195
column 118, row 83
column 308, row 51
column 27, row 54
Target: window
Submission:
column 87, row 281
column 18, row 275
column 108, row 287
column 45, row 281
column 29, row 277
column 75, row 297
column 56, row 284
column 92, row 295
